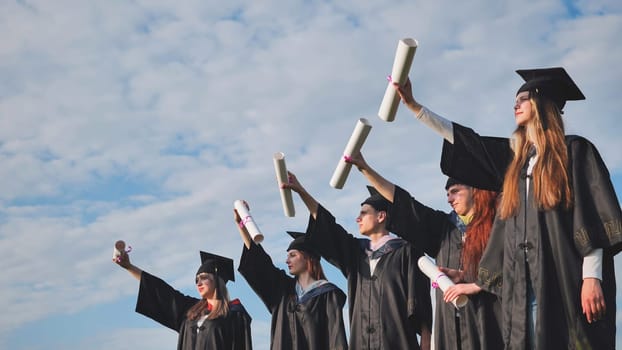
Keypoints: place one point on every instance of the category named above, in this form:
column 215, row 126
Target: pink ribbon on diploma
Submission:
column 127, row 251
column 434, row 283
column 245, row 220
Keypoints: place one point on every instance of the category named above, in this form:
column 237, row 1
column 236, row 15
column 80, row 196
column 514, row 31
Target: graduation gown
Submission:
column 472, row 327
column 386, row 308
column 546, row 246
column 167, row 306
column 315, row 322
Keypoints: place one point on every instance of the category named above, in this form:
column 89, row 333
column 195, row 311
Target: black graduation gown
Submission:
column 552, row 243
column 477, row 324
column 313, row 322
column 167, row 306
column 387, row 308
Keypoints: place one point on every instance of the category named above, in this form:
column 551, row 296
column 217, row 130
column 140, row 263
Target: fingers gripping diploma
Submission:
column 460, row 289
column 592, row 299
column 120, row 254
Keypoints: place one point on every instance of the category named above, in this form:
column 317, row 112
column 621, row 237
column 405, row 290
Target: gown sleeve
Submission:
column 596, row 211
column 415, row 222
column 162, row 303
column 332, row 241
column 264, row 278
column 476, row 160
column 242, row 328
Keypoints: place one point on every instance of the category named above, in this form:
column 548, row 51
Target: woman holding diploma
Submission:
column 307, row 310
column 559, row 223
column 456, row 241
column 211, row 322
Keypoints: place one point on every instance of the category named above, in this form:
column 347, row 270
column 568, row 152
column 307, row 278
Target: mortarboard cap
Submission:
column 376, row 200
column 218, row 265
column 553, row 83
column 300, row 243
column 451, row 181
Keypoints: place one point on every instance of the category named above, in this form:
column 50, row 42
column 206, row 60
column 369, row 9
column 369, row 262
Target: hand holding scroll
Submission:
column 441, row 281
column 120, row 254
column 404, row 55
column 460, row 290
column 406, row 95
column 247, row 221
column 281, row 177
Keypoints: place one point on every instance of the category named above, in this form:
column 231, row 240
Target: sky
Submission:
column 144, row 120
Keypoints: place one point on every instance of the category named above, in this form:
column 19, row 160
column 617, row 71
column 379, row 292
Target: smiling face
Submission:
column 206, row 285
column 523, row 109
column 296, row 262
column 460, row 197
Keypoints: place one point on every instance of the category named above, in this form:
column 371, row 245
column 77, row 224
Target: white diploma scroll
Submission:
column 440, row 279
column 247, row 221
column 119, row 248
column 404, row 55
column 361, row 130
column 281, row 177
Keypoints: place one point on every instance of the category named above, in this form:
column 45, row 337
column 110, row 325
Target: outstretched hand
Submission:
column 405, row 91
column 292, row 183
column 236, row 215
column 357, row 160
column 123, row 259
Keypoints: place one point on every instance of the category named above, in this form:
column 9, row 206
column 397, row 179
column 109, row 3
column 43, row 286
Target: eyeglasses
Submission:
column 202, row 278
column 520, row 99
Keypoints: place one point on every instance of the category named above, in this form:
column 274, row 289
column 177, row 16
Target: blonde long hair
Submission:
column 550, row 181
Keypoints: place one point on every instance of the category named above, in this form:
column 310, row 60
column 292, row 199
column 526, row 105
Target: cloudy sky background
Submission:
column 144, row 120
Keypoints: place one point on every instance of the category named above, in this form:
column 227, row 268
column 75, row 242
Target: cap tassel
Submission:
column 217, row 282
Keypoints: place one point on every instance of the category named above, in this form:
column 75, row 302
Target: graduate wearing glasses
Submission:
column 210, row 322
column 559, row 224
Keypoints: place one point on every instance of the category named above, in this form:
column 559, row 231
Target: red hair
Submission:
column 478, row 231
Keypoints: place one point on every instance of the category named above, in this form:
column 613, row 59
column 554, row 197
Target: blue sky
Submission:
column 144, row 120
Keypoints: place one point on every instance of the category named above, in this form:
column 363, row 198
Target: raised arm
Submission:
column 246, row 237
column 308, row 200
column 382, row 185
column 124, row 261
column 434, row 121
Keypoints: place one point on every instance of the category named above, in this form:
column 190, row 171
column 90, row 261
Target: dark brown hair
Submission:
column 313, row 266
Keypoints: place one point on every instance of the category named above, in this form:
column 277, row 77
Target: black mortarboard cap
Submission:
column 300, row 243
column 451, row 181
column 218, row 265
column 376, row 200
column 553, row 83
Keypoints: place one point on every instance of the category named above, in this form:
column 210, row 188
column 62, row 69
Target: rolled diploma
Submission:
column 404, row 55
column 281, row 177
column 119, row 246
column 248, row 221
column 361, row 130
column 431, row 270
